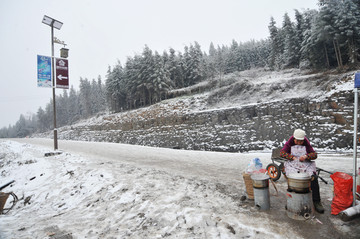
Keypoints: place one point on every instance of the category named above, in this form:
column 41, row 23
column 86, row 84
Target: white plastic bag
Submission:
column 254, row 166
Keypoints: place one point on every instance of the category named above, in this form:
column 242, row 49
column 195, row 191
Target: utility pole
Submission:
column 53, row 23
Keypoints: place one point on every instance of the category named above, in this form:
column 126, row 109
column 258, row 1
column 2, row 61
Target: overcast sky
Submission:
column 98, row 33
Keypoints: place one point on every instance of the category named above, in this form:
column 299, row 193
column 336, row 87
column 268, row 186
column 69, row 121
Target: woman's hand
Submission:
column 303, row 158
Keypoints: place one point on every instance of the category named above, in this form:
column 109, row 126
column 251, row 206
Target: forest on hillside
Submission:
column 322, row 39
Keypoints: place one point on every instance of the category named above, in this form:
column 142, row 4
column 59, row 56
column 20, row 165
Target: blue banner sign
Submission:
column 357, row 80
column 44, row 71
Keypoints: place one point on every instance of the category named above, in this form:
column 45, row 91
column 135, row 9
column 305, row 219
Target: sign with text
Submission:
column 44, row 71
column 62, row 73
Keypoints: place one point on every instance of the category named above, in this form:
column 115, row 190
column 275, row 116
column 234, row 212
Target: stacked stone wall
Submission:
column 328, row 124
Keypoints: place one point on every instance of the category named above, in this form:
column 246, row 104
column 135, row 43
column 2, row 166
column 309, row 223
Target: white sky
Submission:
column 98, row 33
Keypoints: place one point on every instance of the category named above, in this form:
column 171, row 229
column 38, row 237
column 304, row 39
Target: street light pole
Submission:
column 57, row 24
column 53, row 85
column 356, row 102
column 356, row 94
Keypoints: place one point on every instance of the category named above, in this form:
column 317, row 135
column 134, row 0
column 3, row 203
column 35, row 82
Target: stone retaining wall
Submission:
column 328, row 124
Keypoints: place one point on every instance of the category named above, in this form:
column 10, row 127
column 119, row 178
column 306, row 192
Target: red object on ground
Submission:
column 343, row 196
column 358, row 182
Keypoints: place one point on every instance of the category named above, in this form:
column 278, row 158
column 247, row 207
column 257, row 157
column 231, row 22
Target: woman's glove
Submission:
column 286, row 155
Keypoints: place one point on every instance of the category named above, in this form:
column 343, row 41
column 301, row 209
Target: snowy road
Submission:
column 224, row 166
column 106, row 190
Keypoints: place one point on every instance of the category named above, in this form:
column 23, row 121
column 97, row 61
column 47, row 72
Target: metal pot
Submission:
column 299, row 182
column 260, row 180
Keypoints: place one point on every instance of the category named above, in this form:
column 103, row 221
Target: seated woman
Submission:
column 300, row 157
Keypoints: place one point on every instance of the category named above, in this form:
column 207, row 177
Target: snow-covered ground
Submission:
column 106, row 190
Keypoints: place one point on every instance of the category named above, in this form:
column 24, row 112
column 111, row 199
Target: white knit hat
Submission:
column 299, row 134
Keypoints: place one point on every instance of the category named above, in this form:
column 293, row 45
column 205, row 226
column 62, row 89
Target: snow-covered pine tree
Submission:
column 347, row 24
column 175, row 70
column 102, row 95
column 327, row 29
column 232, row 60
column 115, row 88
column 160, row 79
column 85, row 98
column 43, row 120
column 291, row 53
column 276, row 45
column 145, row 87
column 74, row 105
column 62, row 109
column 211, row 62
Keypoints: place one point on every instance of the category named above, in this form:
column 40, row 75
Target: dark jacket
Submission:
column 286, row 150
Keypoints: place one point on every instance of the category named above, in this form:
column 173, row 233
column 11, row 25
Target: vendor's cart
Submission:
column 275, row 168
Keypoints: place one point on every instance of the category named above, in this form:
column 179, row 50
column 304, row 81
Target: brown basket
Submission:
column 248, row 185
column 3, row 198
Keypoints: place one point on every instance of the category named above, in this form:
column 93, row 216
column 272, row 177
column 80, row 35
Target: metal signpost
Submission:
column 357, row 85
column 54, row 24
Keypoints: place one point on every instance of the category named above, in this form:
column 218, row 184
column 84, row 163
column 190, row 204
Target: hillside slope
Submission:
column 250, row 110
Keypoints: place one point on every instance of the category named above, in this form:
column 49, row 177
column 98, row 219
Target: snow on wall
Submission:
column 252, row 110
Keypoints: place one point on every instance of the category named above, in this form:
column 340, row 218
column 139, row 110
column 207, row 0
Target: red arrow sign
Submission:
column 62, row 73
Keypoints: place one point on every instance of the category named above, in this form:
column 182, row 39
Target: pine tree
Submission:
column 160, row 79
column 300, row 32
column 115, row 88
column 21, row 127
column 262, row 50
column 43, row 122
column 326, row 28
column 314, row 45
column 291, row 54
column 74, row 106
column 62, row 109
column 132, row 79
column 211, row 61
column 85, row 98
column 220, row 60
column 198, row 63
column 174, row 68
column 101, row 95
column 348, row 28
column 276, row 45
column 94, row 97
column 145, row 87
column 232, row 61
column 187, row 63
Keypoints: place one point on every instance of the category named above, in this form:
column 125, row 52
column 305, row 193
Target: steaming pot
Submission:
column 260, row 180
column 299, row 182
